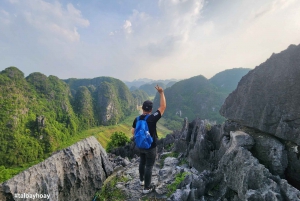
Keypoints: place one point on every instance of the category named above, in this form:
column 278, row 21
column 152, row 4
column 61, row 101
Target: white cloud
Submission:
column 52, row 19
column 183, row 39
column 127, row 27
column 157, row 39
column 4, row 17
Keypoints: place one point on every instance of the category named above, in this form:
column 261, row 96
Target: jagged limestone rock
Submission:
column 271, row 153
column 268, row 97
column 239, row 176
column 292, row 172
column 74, row 173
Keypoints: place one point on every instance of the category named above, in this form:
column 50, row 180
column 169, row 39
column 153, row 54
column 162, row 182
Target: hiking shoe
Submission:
column 148, row 190
column 142, row 183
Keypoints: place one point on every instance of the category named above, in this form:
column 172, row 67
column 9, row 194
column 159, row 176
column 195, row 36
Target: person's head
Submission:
column 147, row 106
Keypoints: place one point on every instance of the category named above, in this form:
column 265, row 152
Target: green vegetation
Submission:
column 36, row 115
column 109, row 191
column 192, row 98
column 101, row 133
column 173, row 122
column 40, row 114
column 112, row 100
column 117, row 139
column 139, row 96
column 199, row 97
column 208, row 126
column 178, row 179
column 227, row 81
column 170, row 84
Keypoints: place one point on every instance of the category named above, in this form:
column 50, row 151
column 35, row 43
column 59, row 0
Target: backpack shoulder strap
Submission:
column 147, row 117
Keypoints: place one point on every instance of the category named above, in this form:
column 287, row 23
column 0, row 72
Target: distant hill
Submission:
column 139, row 96
column 150, row 88
column 228, row 80
column 170, row 84
column 140, row 82
column 199, row 97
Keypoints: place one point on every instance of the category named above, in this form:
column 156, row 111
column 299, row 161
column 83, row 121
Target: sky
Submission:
column 132, row 39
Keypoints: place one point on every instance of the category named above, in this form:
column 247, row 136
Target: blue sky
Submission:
column 131, row 39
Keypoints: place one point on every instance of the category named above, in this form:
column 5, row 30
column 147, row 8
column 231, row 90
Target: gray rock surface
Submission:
column 74, row 173
column 239, row 176
column 271, row 153
column 292, row 172
column 226, row 162
column 268, row 97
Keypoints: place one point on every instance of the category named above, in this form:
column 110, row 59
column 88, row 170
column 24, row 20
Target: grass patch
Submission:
column 178, row 179
column 183, row 161
column 109, row 191
column 103, row 133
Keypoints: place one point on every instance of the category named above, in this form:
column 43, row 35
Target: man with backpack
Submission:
column 142, row 127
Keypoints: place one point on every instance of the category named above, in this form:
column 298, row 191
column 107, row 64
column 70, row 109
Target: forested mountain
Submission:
column 227, row 80
column 199, row 97
column 36, row 114
column 170, row 84
column 139, row 96
column 112, row 100
column 39, row 113
column 193, row 97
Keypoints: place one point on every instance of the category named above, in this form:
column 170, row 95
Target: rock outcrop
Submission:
column 228, row 170
column 222, row 162
column 74, row 173
column 267, row 98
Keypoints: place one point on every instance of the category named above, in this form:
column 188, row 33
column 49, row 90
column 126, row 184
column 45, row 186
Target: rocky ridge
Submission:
column 221, row 162
column 267, row 101
column 74, row 173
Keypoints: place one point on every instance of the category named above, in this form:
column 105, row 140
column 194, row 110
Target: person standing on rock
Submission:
column 147, row 156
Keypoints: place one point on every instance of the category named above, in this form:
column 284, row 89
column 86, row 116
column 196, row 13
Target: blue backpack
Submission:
column 142, row 135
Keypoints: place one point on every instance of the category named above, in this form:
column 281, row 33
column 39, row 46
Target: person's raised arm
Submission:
column 163, row 103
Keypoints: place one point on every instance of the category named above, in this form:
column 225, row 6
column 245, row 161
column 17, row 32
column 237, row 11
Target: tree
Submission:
column 117, row 139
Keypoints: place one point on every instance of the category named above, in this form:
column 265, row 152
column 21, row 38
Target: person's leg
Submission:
column 150, row 160
column 142, row 166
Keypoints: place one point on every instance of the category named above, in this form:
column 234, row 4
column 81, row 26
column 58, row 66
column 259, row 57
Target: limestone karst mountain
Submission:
column 36, row 114
column 112, row 100
column 267, row 99
column 199, row 97
column 39, row 114
column 228, row 80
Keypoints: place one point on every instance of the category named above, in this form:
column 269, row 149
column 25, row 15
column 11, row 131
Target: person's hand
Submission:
column 159, row 89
